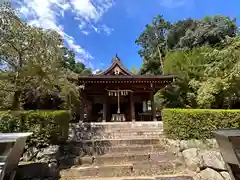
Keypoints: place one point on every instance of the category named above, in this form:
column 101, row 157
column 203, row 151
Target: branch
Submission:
column 8, row 90
column 19, row 54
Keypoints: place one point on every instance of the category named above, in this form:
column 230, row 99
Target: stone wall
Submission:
column 202, row 158
column 39, row 163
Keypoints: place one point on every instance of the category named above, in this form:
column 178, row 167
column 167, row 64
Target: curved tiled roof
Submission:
column 117, row 62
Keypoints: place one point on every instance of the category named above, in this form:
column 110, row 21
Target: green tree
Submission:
column 190, row 66
column 70, row 63
column 153, row 45
column 178, row 31
column 190, row 49
column 31, row 58
column 208, row 31
column 219, row 87
column 134, row 70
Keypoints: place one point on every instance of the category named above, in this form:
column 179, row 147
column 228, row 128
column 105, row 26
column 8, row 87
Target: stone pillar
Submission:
column 132, row 108
column 153, row 107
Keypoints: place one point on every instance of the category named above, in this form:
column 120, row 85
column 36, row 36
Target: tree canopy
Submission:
column 205, row 53
column 35, row 67
column 152, row 43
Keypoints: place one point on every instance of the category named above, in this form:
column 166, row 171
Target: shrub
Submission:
column 48, row 127
column 198, row 123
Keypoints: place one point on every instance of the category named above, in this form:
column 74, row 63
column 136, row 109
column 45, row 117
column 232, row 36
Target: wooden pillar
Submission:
column 118, row 100
column 89, row 112
column 82, row 106
column 153, row 107
column 104, row 118
column 144, row 106
column 132, row 108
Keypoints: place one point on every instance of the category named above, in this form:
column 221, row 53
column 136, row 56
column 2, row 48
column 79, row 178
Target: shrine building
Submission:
column 117, row 94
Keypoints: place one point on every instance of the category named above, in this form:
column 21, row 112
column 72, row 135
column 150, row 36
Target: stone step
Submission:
column 123, row 141
column 153, row 136
column 119, row 158
column 102, row 127
column 174, row 177
column 157, row 124
column 127, row 130
column 115, row 135
column 146, row 169
column 163, row 177
column 111, row 138
column 127, row 158
column 119, row 149
column 130, row 149
column 98, row 171
column 149, row 168
column 130, row 132
column 96, row 146
column 117, row 129
column 117, row 132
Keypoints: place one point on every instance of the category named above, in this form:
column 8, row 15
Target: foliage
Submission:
column 161, row 37
column 220, row 83
column 70, row 63
column 178, row 31
column 198, row 123
column 48, row 127
column 174, row 95
column 135, row 70
column 194, row 33
column 190, row 66
column 210, row 75
column 205, row 55
column 152, row 42
column 32, row 68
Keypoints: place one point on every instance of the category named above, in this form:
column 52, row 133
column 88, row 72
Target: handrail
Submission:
column 14, row 153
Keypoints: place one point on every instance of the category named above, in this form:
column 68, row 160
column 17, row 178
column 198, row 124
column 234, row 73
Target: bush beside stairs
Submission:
column 120, row 151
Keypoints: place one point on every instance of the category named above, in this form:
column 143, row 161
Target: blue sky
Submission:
column 97, row 30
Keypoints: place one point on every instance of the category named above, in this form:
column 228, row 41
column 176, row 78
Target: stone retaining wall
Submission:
column 38, row 164
column 202, row 158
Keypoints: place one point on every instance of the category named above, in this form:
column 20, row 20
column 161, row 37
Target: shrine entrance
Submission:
column 124, row 110
column 119, row 95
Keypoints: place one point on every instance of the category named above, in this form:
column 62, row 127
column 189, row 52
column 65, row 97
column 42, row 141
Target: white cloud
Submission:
column 96, row 71
column 81, row 53
column 85, row 32
column 48, row 13
column 88, row 13
column 176, row 3
column 106, row 29
column 95, row 29
column 43, row 13
column 85, row 10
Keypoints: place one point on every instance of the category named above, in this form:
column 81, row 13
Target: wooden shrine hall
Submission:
column 120, row 95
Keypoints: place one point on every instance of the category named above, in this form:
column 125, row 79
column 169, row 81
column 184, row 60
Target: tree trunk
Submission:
column 161, row 61
column 16, row 101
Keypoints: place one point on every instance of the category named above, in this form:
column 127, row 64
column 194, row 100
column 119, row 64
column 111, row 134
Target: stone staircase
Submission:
column 120, row 151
